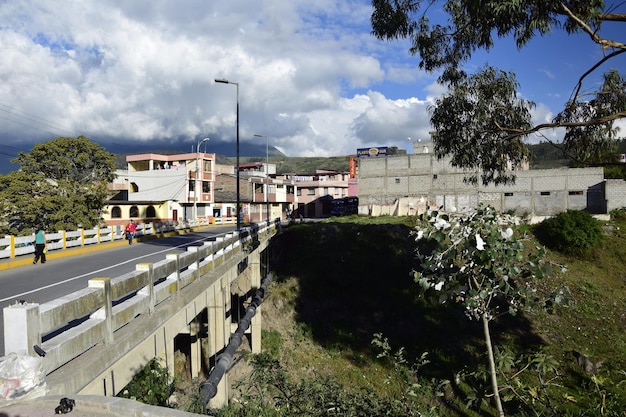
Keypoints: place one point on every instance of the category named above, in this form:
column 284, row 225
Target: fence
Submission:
column 13, row 246
column 65, row 328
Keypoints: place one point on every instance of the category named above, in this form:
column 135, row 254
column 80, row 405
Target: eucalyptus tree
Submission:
column 480, row 261
column 588, row 115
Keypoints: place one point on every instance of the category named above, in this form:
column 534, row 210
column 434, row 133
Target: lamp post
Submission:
column 237, row 210
column 195, row 197
column 267, row 175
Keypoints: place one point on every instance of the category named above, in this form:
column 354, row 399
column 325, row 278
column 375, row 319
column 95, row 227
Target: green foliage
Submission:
column 24, row 198
column 152, row 385
column 570, row 232
column 471, row 26
column 61, row 184
column 466, row 125
column 464, row 27
column 271, row 341
column 271, row 392
column 358, row 276
column 594, row 143
column 479, row 261
column 616, row 171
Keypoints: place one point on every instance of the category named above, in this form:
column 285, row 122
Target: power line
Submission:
column 28, row 119
column 31, row 118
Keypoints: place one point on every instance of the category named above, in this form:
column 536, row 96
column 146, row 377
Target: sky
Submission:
column 310, row 78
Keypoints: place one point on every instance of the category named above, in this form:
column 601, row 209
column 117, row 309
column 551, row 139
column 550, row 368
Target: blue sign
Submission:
column 374, row 151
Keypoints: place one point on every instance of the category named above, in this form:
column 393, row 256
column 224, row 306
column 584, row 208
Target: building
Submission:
column 185, row 187
column 269, row 193
column 410, row 184
column 316, row 191
column 159, row 187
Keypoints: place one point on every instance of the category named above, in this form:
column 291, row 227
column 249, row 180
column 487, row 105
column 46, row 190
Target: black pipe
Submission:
column 208, row 388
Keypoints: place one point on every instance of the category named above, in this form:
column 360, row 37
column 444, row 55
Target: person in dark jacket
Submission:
column 40, row 246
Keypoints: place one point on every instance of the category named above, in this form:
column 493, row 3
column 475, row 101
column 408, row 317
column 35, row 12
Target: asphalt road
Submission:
column 44, row 282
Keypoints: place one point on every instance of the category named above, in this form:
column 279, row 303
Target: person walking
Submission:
column 130, row 231
column 40, row 246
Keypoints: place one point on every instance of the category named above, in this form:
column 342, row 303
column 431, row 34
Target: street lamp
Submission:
column 195, row 197
column 237, row 168
column 267, row 175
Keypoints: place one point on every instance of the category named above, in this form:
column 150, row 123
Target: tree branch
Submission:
column 594, row 36
column 612, row 17
column 521, row 132
column 592, row 69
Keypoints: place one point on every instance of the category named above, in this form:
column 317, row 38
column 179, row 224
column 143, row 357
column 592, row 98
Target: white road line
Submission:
column 17, row 296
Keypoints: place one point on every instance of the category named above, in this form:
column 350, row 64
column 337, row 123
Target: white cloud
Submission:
column 311, row 76
column 144, row 70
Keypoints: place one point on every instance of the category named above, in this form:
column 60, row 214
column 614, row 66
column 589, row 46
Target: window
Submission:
column 545, row 193
column 206, row 187
column 397, row 180
column 310, row 191
column 150, row 212
column 575, row 193
column 192, row 185
column 134, row 211
column 325, row 191
column 508, row 194
column 299, row 191
column 116, row 213
column 434, row 176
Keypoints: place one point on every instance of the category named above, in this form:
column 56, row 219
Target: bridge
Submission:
column 93, row 341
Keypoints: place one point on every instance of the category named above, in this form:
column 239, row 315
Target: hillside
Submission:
column 340, row 284
column 544, row 156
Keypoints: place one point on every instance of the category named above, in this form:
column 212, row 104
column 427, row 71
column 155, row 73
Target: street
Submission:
column 58, row 277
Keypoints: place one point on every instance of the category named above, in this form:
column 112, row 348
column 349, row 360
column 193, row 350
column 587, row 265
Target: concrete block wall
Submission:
column 615, row 194
column 520, row 202
column 420, row 164
column 420, row 182
column 540, row 192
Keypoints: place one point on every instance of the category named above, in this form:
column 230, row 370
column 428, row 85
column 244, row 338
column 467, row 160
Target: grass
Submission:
column 341, row 282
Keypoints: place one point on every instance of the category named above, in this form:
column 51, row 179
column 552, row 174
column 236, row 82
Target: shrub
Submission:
column 570, row 232
column 152, row 385
column 272, row 341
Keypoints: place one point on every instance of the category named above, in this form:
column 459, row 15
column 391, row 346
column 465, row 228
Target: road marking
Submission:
column 17, row 296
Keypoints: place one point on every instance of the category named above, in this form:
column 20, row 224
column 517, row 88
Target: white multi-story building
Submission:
column 184, row 187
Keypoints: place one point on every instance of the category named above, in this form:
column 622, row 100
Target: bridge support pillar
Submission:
column 168, row 342
column 221, row 397
column 255, row 282
column 195, row 349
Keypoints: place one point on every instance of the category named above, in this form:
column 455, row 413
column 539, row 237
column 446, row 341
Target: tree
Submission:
column 478, row 260
column 62, row 183
column 588, row 117
column 23, row 199
column 474, row 113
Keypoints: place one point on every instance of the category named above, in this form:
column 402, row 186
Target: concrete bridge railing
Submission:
column 14, row 246
column 94, row 340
